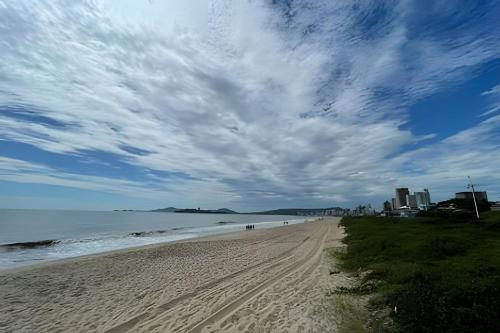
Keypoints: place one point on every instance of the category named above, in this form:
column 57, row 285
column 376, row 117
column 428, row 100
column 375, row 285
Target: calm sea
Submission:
column 32, row 236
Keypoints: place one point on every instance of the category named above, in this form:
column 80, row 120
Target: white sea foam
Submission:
column 95, row 237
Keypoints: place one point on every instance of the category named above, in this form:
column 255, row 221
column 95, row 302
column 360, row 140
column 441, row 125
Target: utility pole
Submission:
column 474, row 196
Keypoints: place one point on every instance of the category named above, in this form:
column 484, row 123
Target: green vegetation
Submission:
column 349, row 313
column 440, row 274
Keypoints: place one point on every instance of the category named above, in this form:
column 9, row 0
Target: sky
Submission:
column 246, row 104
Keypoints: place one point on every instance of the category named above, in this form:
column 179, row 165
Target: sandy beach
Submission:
column 271, row 280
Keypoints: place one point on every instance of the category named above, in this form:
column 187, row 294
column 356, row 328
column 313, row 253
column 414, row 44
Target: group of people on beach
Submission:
column 252, row 226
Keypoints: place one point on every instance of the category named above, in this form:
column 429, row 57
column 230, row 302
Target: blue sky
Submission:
column 246, row 104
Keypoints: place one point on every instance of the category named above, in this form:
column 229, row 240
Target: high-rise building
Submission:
column 411, row 200
column 427, row 197
column 423, row 199
column 401, row 194
column 387, row 206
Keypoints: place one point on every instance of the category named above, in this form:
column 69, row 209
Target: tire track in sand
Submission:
column 165, row 307
column 275, row 309
column 312, row 258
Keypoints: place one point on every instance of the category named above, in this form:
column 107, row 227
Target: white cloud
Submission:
column 493, row 95
column 174, row 191
column 493, row 91
column 236, row 95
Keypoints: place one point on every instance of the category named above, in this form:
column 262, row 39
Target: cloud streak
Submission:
column 301, row 102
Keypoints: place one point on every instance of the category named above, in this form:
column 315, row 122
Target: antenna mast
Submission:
column 474, row 197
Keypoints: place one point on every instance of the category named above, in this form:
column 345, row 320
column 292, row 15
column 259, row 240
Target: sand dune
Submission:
column 270, row 280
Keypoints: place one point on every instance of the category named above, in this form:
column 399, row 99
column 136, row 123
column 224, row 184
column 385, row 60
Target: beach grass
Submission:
column 434, row 274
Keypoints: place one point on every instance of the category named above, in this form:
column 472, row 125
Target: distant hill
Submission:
column 227, row 211
column 204, row 211
column 195, row 210
column 168, row 209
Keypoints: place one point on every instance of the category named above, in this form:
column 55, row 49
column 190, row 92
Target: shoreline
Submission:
column 45, row 263
column 222, row 282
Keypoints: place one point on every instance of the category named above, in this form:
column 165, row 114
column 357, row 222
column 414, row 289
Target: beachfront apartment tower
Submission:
column 423, row 199
column 411, row 200
column 401, row 199
column 427, row 197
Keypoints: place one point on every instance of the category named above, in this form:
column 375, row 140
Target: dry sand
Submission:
column 272, row 280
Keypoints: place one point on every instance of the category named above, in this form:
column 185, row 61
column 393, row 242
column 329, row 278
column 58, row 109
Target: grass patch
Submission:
column 350, row 313
column 442, row 276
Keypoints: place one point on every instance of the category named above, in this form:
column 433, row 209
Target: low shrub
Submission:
column 436, row 275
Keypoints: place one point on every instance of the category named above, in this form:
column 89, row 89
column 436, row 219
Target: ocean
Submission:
column 33, row 236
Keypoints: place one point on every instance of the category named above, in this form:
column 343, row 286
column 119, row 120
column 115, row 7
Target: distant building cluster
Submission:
column 417, row 200
column 406, row 204
column 311, row 212
column 358, row 211
column 338, row 211
column 363, row 211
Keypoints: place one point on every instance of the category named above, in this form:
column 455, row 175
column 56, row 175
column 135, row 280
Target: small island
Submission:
column 205, row 211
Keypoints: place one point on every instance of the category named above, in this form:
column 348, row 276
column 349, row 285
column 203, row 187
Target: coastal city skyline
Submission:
column 251, row 105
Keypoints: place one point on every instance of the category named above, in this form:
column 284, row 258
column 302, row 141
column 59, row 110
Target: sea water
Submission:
column 32, row 236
